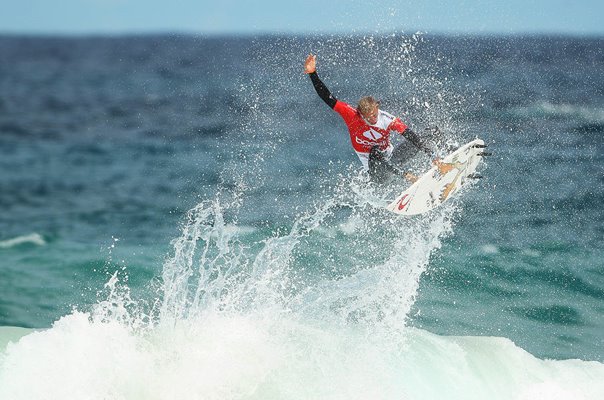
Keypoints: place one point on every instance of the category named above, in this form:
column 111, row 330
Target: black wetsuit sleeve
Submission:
column 322, row 90
column 417, row 142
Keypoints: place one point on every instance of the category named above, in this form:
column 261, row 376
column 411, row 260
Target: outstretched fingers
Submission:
column 310, row 65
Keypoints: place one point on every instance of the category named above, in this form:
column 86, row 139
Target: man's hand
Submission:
column 310, row 65
column 410, row 177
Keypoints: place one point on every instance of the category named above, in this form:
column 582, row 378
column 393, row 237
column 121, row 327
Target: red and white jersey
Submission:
column 364, row 136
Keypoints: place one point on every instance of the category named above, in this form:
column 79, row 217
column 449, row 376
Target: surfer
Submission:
column 369, row 128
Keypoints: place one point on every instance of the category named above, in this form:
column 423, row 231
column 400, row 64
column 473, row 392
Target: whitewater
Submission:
column 236, row 319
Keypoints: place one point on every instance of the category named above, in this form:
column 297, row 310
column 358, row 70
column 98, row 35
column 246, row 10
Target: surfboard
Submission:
column 433, row 188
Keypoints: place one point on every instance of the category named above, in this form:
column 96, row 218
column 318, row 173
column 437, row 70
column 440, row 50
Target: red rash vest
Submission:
column 364, row 136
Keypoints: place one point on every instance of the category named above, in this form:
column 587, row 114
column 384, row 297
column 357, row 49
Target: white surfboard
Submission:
column 432, row 189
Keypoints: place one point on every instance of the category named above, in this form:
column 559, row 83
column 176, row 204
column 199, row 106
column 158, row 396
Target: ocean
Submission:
column 183, row 218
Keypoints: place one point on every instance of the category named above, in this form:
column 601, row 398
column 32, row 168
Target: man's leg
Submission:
column 378, row 166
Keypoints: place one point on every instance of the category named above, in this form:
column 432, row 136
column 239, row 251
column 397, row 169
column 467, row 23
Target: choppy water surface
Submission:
column 183, row 217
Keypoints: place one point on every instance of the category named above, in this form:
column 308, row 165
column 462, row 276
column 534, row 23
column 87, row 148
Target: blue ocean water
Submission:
column 182, row 217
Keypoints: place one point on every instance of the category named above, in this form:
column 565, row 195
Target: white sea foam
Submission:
column 251, row 357
column 34, row 238
column 548, row 109
column 490, row 249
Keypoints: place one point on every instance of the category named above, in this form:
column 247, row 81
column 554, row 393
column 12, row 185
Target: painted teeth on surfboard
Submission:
column 484, row 154
column 474, row 176
column 479, row 146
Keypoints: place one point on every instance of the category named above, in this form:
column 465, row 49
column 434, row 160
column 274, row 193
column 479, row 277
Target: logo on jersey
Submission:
column 372, row 135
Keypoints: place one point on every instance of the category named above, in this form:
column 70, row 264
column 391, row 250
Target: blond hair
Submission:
column 367, row 104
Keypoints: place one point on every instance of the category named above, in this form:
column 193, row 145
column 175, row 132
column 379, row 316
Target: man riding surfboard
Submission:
column 369, row 128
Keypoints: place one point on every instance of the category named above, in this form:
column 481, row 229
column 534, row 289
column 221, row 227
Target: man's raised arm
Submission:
column 310, row 68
